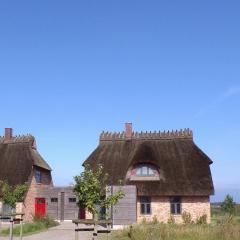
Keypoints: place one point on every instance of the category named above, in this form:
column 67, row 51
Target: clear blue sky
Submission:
column 70, row 69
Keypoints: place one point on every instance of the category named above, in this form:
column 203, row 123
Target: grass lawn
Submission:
column 38, row 225
column 222, row 227
column 178, row 232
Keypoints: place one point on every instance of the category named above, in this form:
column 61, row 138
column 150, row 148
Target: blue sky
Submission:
column 70, row 69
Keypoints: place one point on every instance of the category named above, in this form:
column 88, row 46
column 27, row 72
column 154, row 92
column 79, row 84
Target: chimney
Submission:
column 8, row 133
column 128, row 130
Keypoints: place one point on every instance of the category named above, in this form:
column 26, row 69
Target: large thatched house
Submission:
column 163, row 174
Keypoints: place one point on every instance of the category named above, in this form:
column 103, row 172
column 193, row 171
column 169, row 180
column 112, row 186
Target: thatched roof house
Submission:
column 179, row 166
column 20, row 163
column 18, row 156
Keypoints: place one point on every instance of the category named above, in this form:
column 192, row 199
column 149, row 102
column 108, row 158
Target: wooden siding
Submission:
column 62, row 209
column 125, row 211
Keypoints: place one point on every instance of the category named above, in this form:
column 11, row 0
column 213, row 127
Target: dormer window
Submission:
column 144, row 170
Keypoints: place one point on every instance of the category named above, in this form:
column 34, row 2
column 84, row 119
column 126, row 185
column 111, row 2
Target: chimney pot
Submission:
column 8, row 133
column 128, row 130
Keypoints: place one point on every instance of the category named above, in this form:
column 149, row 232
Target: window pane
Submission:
column 172, row 208
column 142, row 209
column 144, row 170
column 38, row 176
column 148, row 208
column 138, row 171
column 54, row 200
column 178, row 208
column 150, row 171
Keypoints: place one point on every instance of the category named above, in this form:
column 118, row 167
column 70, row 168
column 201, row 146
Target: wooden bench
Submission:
column 91, row 229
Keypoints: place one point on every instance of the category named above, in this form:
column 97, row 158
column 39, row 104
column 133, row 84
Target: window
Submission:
column 54, row 200
column 145, row 203
column 38, row 176
column 175, row 203
column 72, row 200
column 144, row 170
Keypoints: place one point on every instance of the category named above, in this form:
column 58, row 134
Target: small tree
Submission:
column 90, row 188
column 12, row 194
column 228, row 205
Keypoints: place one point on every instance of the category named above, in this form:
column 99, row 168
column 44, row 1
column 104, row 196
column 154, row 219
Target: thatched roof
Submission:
column 18, row 155
column 184, row 166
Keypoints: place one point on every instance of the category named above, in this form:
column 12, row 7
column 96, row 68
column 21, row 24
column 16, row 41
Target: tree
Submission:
column 12, row 194
column 90, row 188
column 228, row 205
column 91, row 192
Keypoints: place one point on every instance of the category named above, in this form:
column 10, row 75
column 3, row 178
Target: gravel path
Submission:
column 65, row 231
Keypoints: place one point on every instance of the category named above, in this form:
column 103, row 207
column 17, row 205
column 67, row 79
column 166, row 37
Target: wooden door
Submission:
column 40, row 207
column 82, row 213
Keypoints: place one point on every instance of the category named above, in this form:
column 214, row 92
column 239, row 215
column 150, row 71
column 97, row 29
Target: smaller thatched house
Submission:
column 21, row 163
column 164, row 174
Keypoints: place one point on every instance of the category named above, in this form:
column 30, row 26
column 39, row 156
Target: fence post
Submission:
column 21, row 227
column 11, row 229
column 76, row 231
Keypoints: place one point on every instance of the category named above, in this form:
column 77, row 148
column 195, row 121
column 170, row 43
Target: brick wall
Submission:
column 33, row 192
column 88, row 215
column 160, row 207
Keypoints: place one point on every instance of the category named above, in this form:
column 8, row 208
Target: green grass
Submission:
column 38, row 225
column 178, row 232
column 223, row 227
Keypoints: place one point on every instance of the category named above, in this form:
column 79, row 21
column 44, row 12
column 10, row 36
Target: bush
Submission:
column 202, row 219
column 46, row 221
column 171, row 220
column 228, row 205
column 227, row 219
column 187, row 218
column 155, row 220
column 144, row 221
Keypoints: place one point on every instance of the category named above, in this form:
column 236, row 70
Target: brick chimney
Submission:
column 128, row 130
column 8, row 133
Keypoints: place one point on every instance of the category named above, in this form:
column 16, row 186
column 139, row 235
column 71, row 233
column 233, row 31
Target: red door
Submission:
column 82, row 213
column 40, row 207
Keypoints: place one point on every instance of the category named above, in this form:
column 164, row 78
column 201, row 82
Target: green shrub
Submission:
column 46, row 221
column 187, row 218
column 171, row 220
column 202, row 219
column 154, row 220
column 144, row 221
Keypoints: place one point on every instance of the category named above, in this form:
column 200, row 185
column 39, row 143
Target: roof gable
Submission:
column 18, row 155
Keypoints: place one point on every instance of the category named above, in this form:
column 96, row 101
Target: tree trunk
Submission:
column 95, row 235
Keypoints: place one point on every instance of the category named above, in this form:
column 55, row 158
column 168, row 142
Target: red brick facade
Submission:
column 33, row 191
